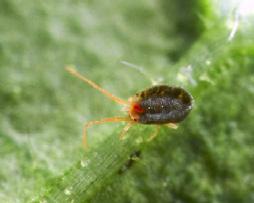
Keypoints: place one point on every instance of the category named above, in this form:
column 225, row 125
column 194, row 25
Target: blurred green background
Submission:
column 203, row 45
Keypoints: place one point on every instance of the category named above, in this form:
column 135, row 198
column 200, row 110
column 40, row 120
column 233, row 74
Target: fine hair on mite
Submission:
column 159, row 105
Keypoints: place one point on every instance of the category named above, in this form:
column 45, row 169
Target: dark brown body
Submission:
column 161, row 104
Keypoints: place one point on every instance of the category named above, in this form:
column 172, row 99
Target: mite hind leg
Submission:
column 172, row 125
column 154, row 134
column 104, row 120
column 125, row 130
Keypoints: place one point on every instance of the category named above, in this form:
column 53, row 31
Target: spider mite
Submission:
column 158, row 105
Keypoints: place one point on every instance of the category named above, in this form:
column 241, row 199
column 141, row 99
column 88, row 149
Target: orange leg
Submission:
column 125, row 130
column 154, row 134
column 95, row 86
column 104, row 120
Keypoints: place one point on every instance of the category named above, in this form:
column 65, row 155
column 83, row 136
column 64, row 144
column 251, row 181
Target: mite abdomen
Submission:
column 164, row 104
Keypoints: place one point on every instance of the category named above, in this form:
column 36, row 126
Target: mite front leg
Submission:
column 104, row 120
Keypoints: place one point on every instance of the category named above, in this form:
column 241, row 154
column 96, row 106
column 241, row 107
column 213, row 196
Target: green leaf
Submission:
column 205, row 47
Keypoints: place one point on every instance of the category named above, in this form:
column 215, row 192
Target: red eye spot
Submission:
column 137, row 108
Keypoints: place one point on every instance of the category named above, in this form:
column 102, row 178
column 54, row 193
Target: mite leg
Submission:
column 172, row 125
column 104, row 120
column 95, row 86
column 125, row 130
column 154, row 134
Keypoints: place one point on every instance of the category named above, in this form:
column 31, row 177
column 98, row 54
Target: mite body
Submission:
column 158, row 105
